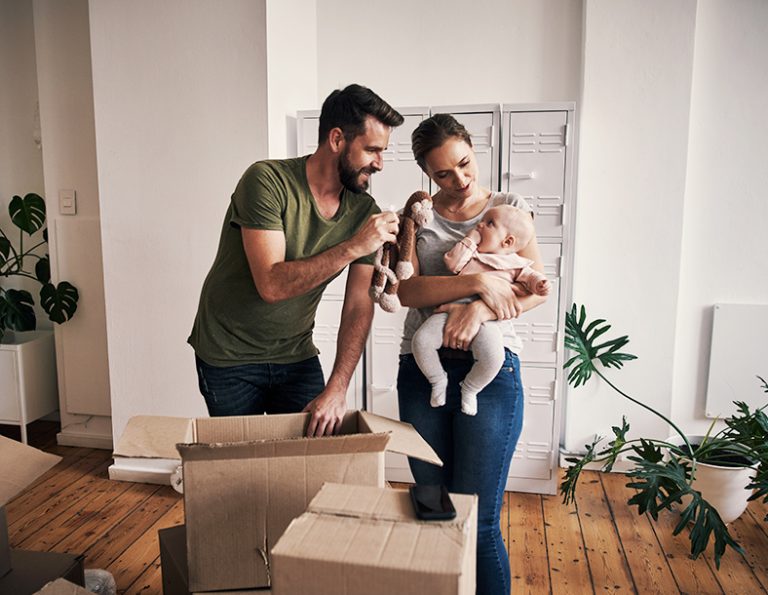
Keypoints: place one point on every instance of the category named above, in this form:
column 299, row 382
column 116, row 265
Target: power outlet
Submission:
column 67, row 202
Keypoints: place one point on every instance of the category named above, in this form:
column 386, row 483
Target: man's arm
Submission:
column 277, row 279
column 328, row 407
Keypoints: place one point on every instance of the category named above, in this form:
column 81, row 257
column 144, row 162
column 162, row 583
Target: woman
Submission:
column 476, row 450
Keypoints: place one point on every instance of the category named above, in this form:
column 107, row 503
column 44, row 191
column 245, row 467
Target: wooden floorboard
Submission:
column 596, row 545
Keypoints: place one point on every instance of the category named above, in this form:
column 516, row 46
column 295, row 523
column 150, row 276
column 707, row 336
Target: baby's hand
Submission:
column 543, row 287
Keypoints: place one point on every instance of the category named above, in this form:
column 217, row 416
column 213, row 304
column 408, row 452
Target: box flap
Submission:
column 369, row 502
column 296, row 447
column 62, row 587
column 154, row 436
column 20, row 465
column 405, row 439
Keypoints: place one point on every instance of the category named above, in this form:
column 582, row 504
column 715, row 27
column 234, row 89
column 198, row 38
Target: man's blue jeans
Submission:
column 476, row 450
column 253, row 389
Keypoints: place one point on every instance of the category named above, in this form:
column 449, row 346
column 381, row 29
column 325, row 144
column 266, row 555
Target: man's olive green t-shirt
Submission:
column 234, row 325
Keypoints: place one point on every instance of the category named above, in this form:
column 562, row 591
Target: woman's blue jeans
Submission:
column 476, row 450
column 253, row 389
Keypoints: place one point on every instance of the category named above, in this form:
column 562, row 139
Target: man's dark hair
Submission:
column 348, row 108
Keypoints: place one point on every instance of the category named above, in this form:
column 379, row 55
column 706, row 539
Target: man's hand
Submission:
column 379, row 228
column 327, row 409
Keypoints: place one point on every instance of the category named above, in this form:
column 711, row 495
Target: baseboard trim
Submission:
column 85, row 440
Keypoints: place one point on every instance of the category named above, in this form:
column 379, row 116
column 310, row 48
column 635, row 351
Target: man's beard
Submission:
column 349, row 175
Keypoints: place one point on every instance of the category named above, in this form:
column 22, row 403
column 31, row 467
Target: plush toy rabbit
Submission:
column 417, row 212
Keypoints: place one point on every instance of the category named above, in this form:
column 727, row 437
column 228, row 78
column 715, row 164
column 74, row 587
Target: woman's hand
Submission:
column 463, row 323
column 500, row 296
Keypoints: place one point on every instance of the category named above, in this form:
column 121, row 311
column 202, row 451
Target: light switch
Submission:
column 67, row 202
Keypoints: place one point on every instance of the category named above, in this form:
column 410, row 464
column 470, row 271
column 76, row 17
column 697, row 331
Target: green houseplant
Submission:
column 17, row 305
column 664, row 471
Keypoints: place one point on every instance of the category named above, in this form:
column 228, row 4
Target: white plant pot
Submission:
column 725, row 488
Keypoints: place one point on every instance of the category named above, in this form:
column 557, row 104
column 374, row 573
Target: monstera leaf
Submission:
column 581, row 339
column 17, row 310
column 28, row 213
column 60, row 301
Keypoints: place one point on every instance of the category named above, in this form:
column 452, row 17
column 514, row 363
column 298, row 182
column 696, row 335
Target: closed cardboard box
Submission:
column 358, row 539
column 246, row 478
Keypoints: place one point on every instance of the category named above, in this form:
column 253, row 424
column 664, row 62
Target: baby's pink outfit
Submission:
column 488, row 345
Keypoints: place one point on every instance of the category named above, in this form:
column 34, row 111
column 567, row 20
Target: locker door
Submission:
column 533, row 165
column 538, row 327
column 482, row 125
column 532, row 458
column 324, row 336
column 401, row 176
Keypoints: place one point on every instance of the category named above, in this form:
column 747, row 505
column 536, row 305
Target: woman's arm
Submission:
column 464, row 320
column 425, row 291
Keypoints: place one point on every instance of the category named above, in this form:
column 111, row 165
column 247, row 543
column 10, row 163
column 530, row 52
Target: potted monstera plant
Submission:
column 30, row 261
column 670, row 474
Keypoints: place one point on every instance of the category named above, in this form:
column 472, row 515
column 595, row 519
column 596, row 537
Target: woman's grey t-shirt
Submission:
column 432, row 242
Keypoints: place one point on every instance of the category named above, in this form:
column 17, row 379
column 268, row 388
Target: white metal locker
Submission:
column 536, row 162
column 520, row 148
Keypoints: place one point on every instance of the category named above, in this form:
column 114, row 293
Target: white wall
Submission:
column 21, row 164
column 443, row 52
column 291, row 69
column 69, row 156
column 180, row 108
column 725, row 243
column 638, row 61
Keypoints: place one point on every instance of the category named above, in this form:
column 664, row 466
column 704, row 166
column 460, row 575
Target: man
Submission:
column 291, row 227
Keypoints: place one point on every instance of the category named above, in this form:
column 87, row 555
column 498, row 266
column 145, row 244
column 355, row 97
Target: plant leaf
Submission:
column 5, row 250
column 581, row 339
column 43, row 270
column 17, row 310
column 60, row 302
column 568, row 485
column 28, row 213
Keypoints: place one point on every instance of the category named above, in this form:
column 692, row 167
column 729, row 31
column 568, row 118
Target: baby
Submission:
column 491, row 246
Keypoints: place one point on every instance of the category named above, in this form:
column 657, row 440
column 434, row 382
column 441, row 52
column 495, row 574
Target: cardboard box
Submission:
column 22, row 571
column 246, row 478
column 20, row 465
column 62, row 587
column 173, row 564
column 358, row 539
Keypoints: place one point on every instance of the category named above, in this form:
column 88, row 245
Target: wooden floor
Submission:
column 598, row 546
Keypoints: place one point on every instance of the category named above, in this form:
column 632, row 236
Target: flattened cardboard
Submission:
column 358, row 539
column 63, row 587
column 154, row 436
column 173, row 565
column 20, row 465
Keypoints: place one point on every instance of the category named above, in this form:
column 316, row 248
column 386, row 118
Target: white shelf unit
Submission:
column 28, row 386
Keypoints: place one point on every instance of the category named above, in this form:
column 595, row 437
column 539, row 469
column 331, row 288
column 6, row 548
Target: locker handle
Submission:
column 383, row 389
column 522, row 176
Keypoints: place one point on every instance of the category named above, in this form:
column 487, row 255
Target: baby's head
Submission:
column 504, row 229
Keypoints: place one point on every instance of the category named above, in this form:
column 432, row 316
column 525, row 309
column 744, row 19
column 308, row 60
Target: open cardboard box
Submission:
column 22, row 571
column 360, row 539
column 246, row 478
